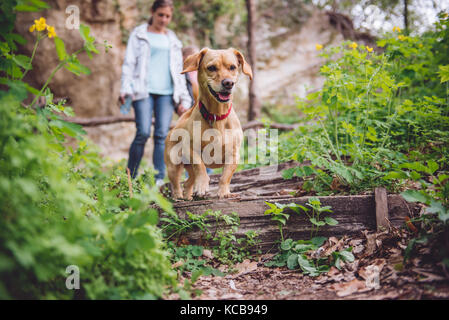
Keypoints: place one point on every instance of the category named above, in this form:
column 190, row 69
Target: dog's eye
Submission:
column 212, row 68
column 232, row 67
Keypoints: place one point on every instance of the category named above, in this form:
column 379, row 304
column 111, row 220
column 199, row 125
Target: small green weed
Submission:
column 304, row 254
column 434, row 195
column 229, row 248
column 278, row 214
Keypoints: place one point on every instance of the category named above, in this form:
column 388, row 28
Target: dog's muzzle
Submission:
column 223, row 95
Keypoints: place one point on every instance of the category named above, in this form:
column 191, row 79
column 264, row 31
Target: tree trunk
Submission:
column 254, row 103
column 406, row 17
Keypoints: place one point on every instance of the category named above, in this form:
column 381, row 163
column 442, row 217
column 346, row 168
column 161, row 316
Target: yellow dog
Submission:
column 191, row 144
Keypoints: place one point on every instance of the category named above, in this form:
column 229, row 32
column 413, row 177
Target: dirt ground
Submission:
column 378, row 272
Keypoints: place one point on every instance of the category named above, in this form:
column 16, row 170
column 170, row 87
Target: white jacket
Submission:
column 134, row 69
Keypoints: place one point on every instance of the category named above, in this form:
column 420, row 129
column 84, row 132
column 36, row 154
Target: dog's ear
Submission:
column 193, row 61
column 246, row 68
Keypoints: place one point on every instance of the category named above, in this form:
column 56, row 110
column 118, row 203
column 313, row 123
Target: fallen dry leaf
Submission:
column 426, row 276
column 370, row 243
column 231, row 296
column 208, row 254
column 347, row 288
column 336, row 247
column 286, row 192
column 177, row 264
column 366, row 272
column 333, row 271
column 371, row 273
column 245, row 266
column 410, row 225
column 232, row 285
column 358, row 249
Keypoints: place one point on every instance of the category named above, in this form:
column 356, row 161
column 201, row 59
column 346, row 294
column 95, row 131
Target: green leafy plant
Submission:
column 277, row 214
column 434, row 192
column 434, row 195
column 343, row 255
column 302, row 254
column 315, row 204
column 188, row 259
column 231, row 249
column 299, row 254
column 226, row 246
column 63, row 205
column 375, row 108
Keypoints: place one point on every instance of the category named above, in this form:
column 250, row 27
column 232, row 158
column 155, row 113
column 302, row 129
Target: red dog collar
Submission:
column 210, row 117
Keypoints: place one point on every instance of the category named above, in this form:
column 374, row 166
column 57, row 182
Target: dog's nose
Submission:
column 227, row 83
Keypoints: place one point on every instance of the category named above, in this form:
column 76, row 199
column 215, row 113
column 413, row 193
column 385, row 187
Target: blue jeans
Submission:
column 162, row 106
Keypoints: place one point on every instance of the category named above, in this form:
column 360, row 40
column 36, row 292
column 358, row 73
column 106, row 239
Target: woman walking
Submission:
column 151, row 74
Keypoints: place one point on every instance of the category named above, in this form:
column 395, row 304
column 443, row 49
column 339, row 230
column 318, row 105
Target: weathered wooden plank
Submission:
column 255, row 186
column 354, row 214
column 382, row 221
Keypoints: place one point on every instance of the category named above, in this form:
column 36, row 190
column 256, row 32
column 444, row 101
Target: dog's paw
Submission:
column 224, row 193
column 188, row 197
column 201, row 187
column 177, row 195
column 200, row 190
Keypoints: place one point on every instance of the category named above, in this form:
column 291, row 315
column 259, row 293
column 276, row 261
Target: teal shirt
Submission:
column 159, row 77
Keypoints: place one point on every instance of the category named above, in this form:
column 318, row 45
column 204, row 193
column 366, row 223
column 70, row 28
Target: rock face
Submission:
column 287, row 62
column 91, row 95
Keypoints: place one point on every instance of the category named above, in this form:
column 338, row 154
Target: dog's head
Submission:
column 218, row 71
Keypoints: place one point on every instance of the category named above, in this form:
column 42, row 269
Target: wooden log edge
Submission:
column 355, row 213
column 381, row 198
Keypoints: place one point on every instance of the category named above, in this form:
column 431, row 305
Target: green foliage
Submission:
column 317, row 210
column 381, row 119
column 227, row 248
column 60, row 205
column 200, row 17
column 204, row 15
column 304, row 255
column 278, row 214
column 434, row 194
column 231, row 249
column 287, row 14
column 375, row 111
column 188, row 259
column 279, row 113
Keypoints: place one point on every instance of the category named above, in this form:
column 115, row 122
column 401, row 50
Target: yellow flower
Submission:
column 51, row 31
column 32, row 28
column 396, row 29
column 401, row 37
column 40, row 24
column 353, row 45
column 318, row 47
column 369, row 49
column 420, row 45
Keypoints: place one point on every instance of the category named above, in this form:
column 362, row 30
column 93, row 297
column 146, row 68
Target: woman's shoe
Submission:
column 159, row 183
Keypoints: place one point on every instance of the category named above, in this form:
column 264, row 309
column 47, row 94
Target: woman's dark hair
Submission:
column 160, row 4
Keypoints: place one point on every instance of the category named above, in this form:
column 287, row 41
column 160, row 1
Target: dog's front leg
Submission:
column 225, row 180
column 233, row 142
column 201, row 178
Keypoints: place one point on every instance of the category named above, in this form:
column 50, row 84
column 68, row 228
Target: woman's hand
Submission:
column 181, row 109
column 122, row 98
